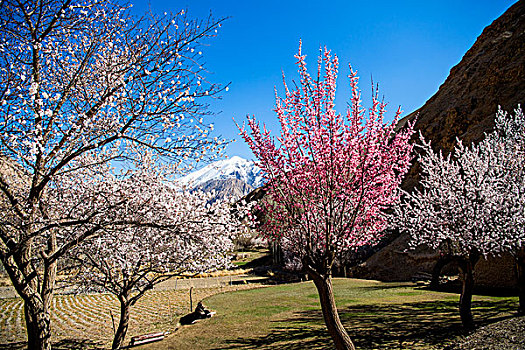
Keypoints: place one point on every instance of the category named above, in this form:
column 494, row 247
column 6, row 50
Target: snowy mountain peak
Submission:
column 234, row 167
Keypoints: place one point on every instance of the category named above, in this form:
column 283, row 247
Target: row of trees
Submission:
column 85, row 87
column 334, row 184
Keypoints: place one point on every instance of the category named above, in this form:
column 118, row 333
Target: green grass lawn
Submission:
column 376, row 315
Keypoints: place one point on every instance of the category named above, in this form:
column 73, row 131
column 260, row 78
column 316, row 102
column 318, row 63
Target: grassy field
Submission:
column 287, row 317
column 84, row 321
column 377, row 316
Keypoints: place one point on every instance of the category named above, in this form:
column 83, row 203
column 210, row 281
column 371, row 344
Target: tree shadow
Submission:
column 64, row 344
column 13, row 346
column 400, row 326
column 381, row 287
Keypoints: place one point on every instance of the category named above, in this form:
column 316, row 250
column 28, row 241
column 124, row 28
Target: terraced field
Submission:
column 89, row 316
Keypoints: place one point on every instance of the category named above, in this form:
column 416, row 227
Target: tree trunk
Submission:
column 36, row 308
column 37, row 299
column 38, row 324
column 31, row 328
column 466, row 269
column 520, row 264
column 323, row 283
column 120, row 335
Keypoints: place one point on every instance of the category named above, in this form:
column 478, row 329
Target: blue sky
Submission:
column 408, row 47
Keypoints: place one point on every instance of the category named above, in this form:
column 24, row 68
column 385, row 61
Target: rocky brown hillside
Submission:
column 490, row 74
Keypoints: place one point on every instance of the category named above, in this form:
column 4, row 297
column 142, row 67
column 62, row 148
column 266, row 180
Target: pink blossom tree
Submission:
column 330, row 176
column 161, row 232
column 471, row 203
column 84, row 83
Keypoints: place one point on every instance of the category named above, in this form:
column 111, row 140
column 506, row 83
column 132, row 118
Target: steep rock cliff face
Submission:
column 490, row 74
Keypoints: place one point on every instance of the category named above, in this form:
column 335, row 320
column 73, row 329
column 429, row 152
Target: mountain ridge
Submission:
column 229, row 179
column 234, row 167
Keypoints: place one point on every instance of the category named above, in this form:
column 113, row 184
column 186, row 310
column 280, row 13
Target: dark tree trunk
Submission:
column 520, row 264
column 37, row 298
column 323, row 283
column 31, row 328
column 38, row 324
column 466, row 270
column 120, row 335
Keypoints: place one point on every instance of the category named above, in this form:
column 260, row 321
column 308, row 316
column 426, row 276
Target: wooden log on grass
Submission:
column 146, row 338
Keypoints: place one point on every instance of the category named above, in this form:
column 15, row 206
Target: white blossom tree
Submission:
column 510, row 135
column 84, row 83
column 471, row 203
column 161, row 232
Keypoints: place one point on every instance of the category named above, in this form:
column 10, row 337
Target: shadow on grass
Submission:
column 401, row 326
column 64, row 344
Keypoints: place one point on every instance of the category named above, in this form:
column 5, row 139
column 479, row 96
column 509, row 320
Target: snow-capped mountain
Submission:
column 229, row 179
column 234, row 167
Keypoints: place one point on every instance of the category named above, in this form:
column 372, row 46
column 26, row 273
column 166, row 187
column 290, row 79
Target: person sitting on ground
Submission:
column 200, row 313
